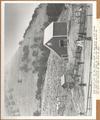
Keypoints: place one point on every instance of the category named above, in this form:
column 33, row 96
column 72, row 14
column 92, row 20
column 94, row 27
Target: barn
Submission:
column 56, row 39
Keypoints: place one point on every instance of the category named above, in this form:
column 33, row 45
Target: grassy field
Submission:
column 67, row 102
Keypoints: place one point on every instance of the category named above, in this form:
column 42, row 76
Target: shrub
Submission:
column 25, row 68
column 25, row 52
column 21, row 42
column 38, row 94
column 37, row 113
column 35, row 53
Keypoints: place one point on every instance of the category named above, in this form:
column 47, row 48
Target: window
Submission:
column 63, row 43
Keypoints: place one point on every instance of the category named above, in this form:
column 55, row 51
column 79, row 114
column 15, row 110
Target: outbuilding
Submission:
column 66, row 82
column 56, row 38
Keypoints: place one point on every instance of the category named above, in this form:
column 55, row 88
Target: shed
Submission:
column 65, row 83
column 56, row 39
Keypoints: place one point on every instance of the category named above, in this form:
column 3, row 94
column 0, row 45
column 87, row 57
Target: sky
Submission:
column 16, row 19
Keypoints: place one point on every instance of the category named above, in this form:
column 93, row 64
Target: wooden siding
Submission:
column 56, row 47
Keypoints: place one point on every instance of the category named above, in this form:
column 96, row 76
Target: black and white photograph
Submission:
column 48, row 59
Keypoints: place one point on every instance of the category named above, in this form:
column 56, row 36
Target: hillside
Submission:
column 33, row 85
column 26, row 72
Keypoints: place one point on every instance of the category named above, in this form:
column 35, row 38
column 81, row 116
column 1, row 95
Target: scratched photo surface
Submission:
column 48, row 54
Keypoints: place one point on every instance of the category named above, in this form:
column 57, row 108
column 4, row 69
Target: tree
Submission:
column 25, row 52
column 35, row 53
column 25, row 68
column 54, row 10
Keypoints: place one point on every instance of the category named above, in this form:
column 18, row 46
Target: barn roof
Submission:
column 52, row 31
column 48, row 33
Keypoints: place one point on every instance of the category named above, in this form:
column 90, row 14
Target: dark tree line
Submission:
column 54, row 11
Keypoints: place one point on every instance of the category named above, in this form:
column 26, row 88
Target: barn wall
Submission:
column 55, row 45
